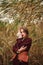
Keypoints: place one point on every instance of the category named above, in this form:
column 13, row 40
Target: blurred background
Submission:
column 13, row 15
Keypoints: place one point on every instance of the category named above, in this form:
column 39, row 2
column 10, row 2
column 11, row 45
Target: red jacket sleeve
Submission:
column 28, row 44
column 15, row 47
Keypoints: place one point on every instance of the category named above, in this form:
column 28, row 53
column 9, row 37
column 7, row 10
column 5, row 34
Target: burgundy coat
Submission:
column 20, row 42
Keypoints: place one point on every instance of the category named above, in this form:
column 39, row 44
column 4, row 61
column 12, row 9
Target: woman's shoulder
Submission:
column 29, row 39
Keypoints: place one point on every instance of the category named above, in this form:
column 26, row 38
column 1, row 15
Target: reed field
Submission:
column 13, row 15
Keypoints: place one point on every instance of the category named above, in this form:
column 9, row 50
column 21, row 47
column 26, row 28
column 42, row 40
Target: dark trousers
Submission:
column 17, row 62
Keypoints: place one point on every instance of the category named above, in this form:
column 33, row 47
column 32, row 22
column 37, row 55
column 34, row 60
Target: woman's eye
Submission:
column 21, row 32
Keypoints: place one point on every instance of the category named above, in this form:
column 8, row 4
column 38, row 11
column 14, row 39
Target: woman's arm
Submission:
column 21, row 49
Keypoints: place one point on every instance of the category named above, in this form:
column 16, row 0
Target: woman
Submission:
column 21, row 48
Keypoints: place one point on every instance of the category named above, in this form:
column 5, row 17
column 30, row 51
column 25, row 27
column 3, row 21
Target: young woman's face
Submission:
column 23, row 33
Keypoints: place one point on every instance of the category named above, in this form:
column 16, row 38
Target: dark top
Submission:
column 22, row 42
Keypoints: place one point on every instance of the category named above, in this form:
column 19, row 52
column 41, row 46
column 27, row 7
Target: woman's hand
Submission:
column 21, row 49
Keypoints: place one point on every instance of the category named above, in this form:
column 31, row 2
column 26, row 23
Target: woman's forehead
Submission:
column 22, row 30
